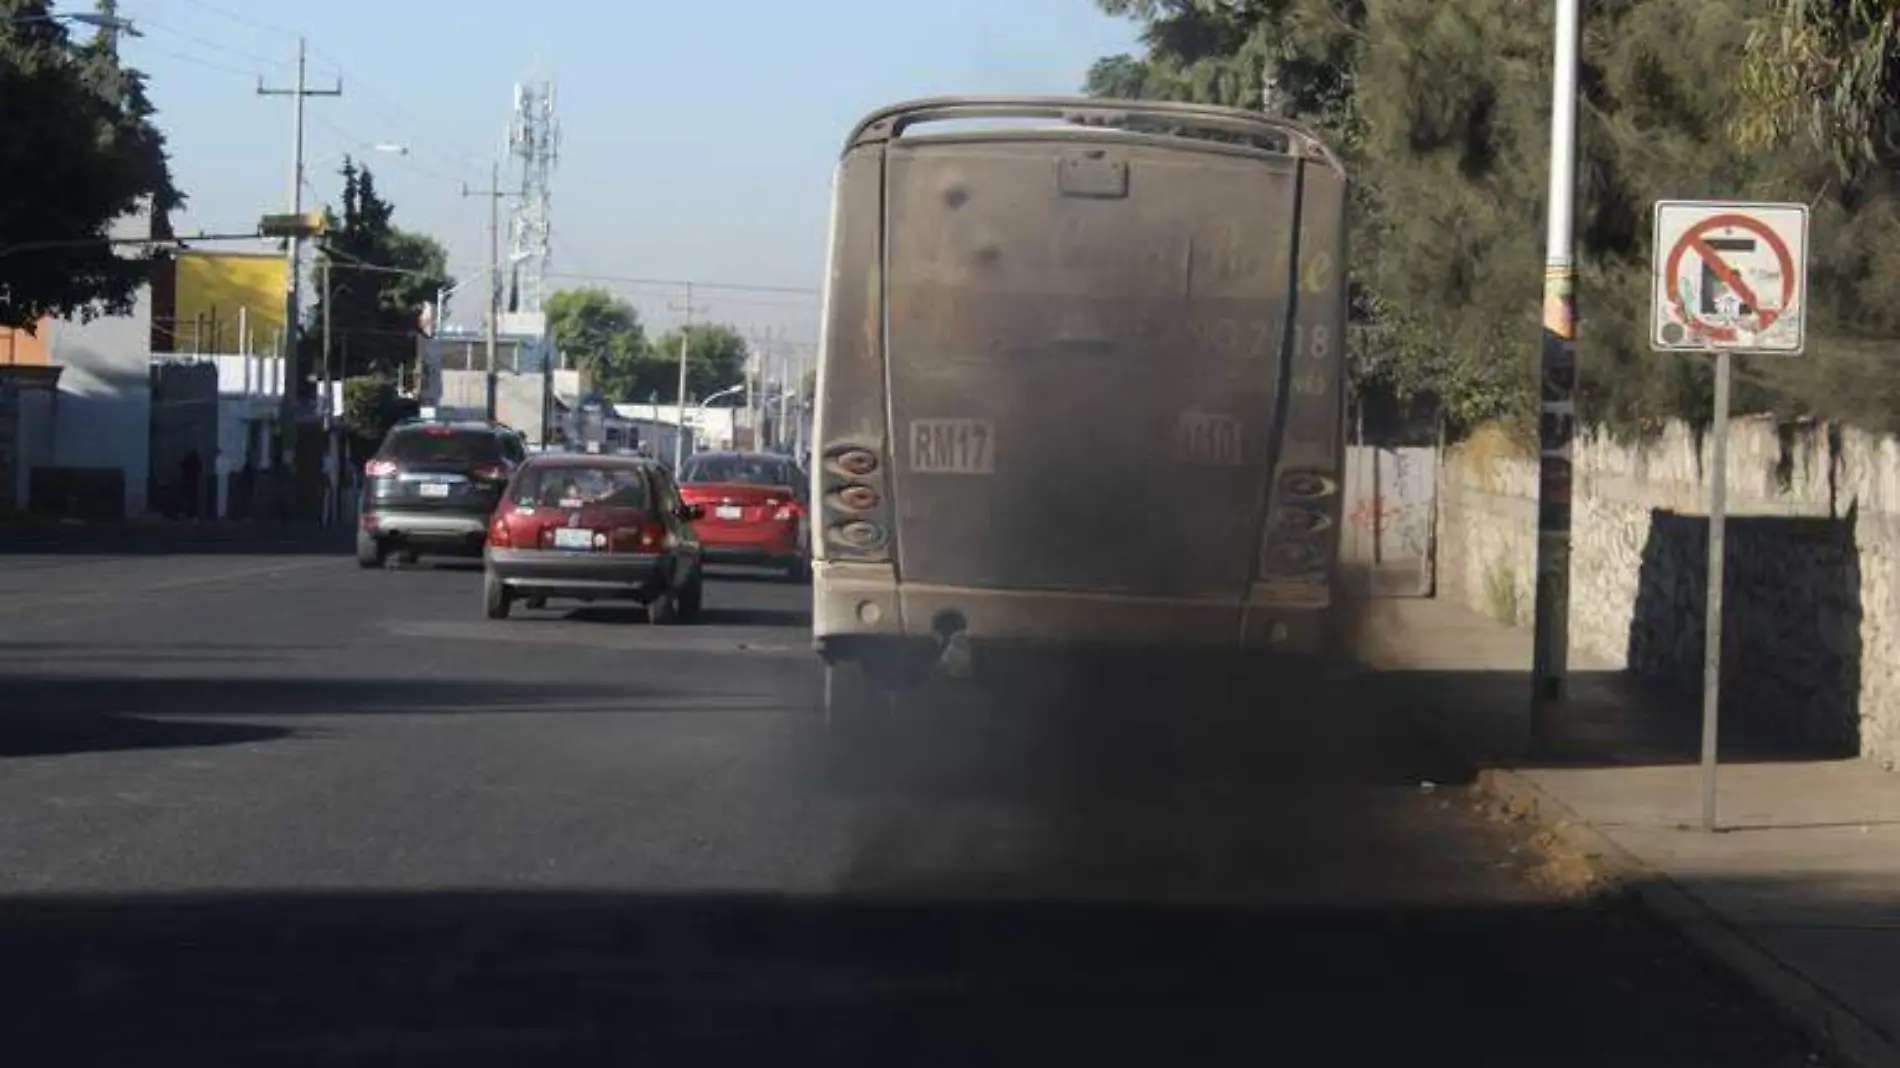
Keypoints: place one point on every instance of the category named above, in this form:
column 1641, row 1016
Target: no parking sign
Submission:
column 1730, row 276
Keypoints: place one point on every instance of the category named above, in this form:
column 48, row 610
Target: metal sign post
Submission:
column 1712, row 628
column 1730, row 277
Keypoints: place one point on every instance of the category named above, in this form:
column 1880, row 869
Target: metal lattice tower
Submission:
column 534, row 141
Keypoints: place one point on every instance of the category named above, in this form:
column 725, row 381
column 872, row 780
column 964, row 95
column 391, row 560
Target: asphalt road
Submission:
column 260, row 806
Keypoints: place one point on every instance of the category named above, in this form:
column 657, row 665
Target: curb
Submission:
column 1845, row 1035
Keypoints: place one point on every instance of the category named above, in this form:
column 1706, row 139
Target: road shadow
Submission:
column 173, row 539
column 1607, row 719
column 37, row 698
column 719, row 615
column 566, row 978
column 716, row 573
column 40, row 654
column 440, row 563
column 43, row 733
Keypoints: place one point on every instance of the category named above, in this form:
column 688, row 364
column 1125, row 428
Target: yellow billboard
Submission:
column 221, row 293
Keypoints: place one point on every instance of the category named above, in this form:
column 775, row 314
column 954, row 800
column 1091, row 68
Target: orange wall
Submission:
column 20, row 347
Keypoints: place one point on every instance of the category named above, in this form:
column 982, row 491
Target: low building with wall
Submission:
column 1811, row 632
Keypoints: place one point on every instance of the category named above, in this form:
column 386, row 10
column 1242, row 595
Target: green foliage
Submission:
column 1827, row 69
column 1442, row 109
column 371, row 405
column 601, row 334
column 81, row 152
column 380, row 279
column 715, row 360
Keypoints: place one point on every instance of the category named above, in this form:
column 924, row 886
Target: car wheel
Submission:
column 370, row 552
column 692, row 599
column 496, row 600
column 663, row 609
column 410, row 557
column 799, row 571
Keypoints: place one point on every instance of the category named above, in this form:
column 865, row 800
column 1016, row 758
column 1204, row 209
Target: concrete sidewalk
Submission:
column 1799, row 889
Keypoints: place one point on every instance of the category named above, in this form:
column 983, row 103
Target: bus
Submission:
column 1081, row 384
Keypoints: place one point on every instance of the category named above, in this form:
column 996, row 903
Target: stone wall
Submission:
column 1809, row 644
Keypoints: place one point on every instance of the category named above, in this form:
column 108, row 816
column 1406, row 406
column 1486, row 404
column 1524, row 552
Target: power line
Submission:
column 677, row 283
column 245, row 20
column 196, row 61
column 423, row 135
column 145, row 23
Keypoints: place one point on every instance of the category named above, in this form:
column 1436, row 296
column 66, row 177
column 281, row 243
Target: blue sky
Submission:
column 698, row 138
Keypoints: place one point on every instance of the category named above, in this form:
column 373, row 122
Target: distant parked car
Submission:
column 431, row 487
column 754, row 509
column 593, row 528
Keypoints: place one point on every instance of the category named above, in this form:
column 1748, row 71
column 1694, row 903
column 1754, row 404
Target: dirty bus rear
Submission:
column 1081, row 384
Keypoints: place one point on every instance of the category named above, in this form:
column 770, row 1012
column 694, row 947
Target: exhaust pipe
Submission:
column 953, row 646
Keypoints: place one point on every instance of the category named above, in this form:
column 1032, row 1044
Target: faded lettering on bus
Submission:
column 952, row 447
column 1210, row 440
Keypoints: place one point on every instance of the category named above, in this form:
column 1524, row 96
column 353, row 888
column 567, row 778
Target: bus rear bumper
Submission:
column 861, row 604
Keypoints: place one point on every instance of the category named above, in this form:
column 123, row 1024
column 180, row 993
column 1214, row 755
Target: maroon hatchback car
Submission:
column 593, row 528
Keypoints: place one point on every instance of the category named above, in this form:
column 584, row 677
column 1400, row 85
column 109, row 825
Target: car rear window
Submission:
column 742, row 470
column 425, row 445
column 573, row 485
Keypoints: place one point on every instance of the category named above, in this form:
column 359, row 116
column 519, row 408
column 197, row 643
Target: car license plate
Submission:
column 729, row 511
column 434, row 489
column 573, row 538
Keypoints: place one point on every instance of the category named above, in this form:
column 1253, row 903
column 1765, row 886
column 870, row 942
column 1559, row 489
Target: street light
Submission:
column 699, row 419
column 94, row 19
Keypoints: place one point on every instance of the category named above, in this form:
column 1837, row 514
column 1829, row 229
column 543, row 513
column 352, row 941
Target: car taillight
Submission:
column 491, row 472
column 498, row 535
column 380, row 468
column 646, row 538
column 786, row 513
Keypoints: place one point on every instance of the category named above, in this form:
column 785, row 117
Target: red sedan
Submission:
column 754, row 509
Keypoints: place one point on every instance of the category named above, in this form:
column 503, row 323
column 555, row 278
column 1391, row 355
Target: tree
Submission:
column 380, row 278
column 371, row 405
column 602, row 334
column 1829, row 69
column 81, row 152
column 1441, row 108
column 715, row 360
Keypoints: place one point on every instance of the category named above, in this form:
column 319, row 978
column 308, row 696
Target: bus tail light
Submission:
column 859, row 535
column 856, row 462
column 855, row 502
column 1302, row 527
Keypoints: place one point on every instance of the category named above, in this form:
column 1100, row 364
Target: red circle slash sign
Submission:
column 1696, row 240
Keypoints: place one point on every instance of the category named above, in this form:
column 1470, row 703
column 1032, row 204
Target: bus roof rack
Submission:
column 890, row 122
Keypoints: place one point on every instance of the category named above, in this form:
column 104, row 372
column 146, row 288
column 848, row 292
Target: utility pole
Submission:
column 751, row 370
column 784, row 395
column 1550, row 636
column 679, row 438
column 494, row 193
column 332, row 486
column 287, row 407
